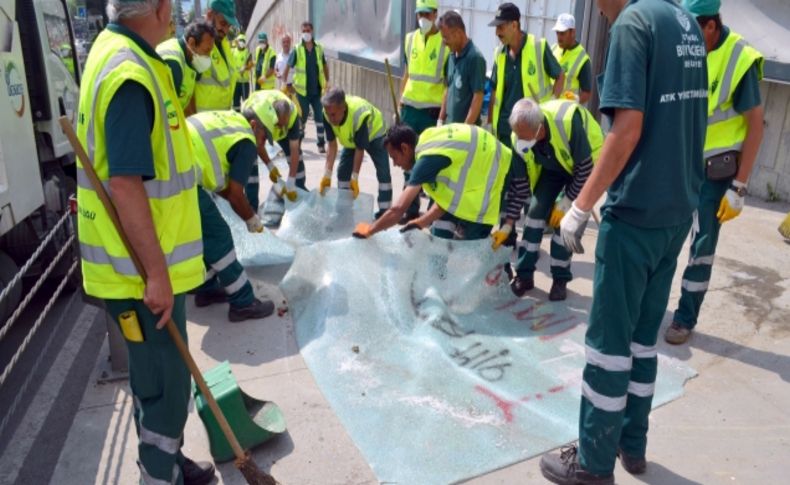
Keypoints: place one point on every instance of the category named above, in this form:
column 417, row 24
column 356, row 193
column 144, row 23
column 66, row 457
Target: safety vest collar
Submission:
column 149, row 50
column 156, row 189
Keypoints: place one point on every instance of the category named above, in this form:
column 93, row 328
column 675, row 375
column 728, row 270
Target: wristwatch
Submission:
column 741, row 191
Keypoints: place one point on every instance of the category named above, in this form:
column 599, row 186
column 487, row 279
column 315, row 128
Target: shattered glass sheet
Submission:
column 314, row 217
column 263, row 249
column 436, row 370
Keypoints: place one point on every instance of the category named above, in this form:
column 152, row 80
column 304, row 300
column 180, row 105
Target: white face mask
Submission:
column 307, row 36
column 425, row 25
column 201, row 63
column 523, row 145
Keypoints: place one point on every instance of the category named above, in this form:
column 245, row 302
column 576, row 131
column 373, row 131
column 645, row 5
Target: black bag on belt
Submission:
column 722, row 166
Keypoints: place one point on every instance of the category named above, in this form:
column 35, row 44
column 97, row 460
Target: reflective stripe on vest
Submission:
column 532, row 52
column 471, row 186
column 213, row 134
column 727, row 129
column 357, row 109
column 571, row 61
column 300, row 69
column 425, row 87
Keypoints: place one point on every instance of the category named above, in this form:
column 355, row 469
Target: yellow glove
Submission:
column 730, row 206
column 326, row 182
column 291, row 195
column 499, row 237
column 274, row 174
column 558, row 211
column 569, row 95
column 355, row 184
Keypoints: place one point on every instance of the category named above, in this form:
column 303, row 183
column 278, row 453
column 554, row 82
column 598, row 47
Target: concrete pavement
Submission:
column 732, row 426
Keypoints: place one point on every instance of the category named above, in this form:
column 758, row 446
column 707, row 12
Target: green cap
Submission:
column 227, row 8
column 426, row 6
column 702, row 8
column 262, row 37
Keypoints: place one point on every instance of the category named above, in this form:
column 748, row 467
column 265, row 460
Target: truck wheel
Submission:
column 8, row 270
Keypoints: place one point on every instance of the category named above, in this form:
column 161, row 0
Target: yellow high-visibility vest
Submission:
column 559, row 116
column 300, row 69
column 262, row 102
column 359, row 111
column 267, row 58
column 240, row 57
column 470, row 188
column 213, row 133
column 727, row 65
column 426, row 60
column 215, row 87
column 534, row 78
column 572, row 61
column 107, row 269
column 171, row 50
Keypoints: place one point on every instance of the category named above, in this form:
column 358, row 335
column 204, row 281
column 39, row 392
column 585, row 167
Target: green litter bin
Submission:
column 252, row 421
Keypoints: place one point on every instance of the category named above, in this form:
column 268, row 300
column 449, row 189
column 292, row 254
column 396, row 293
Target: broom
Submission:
column 247, row 467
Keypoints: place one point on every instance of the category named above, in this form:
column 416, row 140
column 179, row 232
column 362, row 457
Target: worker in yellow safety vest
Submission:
column 523, row 68
column 573, row 59
column 735, row 131
column 225, row 151
column 265, row 59
column 311, row 77
column 423, row 84
column 243, row 60
column 188, row 57
column 463, row 169
column 133, row 128
column 559, row 140
column 215, row 88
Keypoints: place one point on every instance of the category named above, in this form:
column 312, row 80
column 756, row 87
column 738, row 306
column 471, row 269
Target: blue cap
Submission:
column 227, row 8
column 702, row 8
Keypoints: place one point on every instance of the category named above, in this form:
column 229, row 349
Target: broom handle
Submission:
column 392, row 90
column 171, row 327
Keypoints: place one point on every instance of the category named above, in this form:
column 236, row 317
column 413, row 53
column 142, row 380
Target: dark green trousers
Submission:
column 633, row 276
column 381, row 160
column 703, row 249
column 419, row 120
column 223, row 270
column 313, row 101
column 549, row 186
column 451, row 227
column 160, row 383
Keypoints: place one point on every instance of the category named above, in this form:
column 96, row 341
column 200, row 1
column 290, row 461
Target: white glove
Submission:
column 572, row 228
column 440, row 122
column 290, row 185
column 254, row 224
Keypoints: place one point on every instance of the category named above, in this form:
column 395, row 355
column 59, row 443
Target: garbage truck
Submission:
column 39, row 83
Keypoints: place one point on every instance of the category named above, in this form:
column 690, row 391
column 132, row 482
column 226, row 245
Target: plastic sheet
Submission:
column 436, row 370
column 263, row 249
column 314, row 217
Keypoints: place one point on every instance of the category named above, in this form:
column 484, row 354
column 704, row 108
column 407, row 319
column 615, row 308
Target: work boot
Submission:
column 408, row 217
column 256, row 309
column 201, row 473
column 321, row 149
column 565, row 469
column 558, row 291
column 210, row 297
column 676, row 334
column 521, row 284
column 635, row 465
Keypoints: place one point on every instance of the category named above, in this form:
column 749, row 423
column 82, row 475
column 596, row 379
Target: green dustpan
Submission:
column 252, row 421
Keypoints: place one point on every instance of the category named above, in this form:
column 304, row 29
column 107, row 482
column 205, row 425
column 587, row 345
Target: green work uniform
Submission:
column 745, row 96
column 552, row 181
column 224, row 272
column 159, row 380
column 513, row 87
column 466, row 76
column 378, row 154
column 645, row 221
column 425, row 170
column 312, row 96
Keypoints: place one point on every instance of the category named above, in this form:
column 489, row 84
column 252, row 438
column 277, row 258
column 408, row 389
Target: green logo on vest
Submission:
column 531, row 69
column 172, row 115
column 433, row 55
column 714, row 85
column 564, row 154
